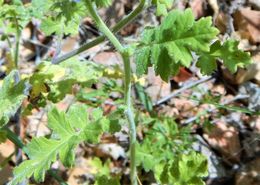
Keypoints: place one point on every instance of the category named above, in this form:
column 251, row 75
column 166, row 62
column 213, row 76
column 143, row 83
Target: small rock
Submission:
column 111, row 149
column 253, row 91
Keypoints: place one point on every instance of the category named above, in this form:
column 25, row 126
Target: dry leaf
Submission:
column 247, row 22
column 225, row 139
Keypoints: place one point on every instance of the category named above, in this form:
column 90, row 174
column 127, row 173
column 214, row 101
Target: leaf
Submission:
column 68, row 131
column 99, row 168
column 62, row 17
column 169, row 46
column 57, row 80
column 2, row 136
column 49, row 26
column 228, row 52
column 12, row 95
column 103, row 3
column 162, row 6
column 189, row 169
column 144, row 98
column 233, row 57
column 144, row 156
column 104, row 180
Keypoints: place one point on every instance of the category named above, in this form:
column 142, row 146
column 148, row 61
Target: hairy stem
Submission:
column 130, row 116
column 127, row 79
column 130, row 17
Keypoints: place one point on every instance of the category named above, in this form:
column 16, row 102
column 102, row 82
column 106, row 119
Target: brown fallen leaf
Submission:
column 197, row 7
column 6, row 149
column 225, row 139
column 183, row 75
column 251, row 72
column 221, row 22
column 247, row 22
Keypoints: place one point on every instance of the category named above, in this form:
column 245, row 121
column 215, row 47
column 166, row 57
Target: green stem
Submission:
column 17, row 44
column 127, row 79
column 17, row 141
column 130, row 116
column 100, row 39
column 102, row 26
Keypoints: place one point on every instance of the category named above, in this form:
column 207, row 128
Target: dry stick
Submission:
column 129, row 18
column 175, row 93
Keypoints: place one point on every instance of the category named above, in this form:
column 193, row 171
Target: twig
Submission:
column 139, row 182
column 175, row 93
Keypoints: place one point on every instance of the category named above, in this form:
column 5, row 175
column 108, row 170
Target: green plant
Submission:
column 166, row 48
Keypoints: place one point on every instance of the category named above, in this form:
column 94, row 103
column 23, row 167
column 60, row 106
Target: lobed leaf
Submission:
column 170, row 45
column 189, row 169
column 228, row 52
column 68, row 130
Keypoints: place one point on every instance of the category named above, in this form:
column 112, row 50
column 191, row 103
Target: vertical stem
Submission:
column 130, row 116
column 17, row 43
column 17, row 126
column 16, row 54
column 127, row 78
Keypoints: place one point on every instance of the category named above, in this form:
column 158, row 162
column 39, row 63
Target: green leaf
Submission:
column 170, row 45
column 103, row 3
column 49, row 26
column 57, row 80
column 62, row 17
column 99, row 168
column 144, row 98
column 233, row 57
column 60, row 27
column 162, row 6
column 68, row 131
column 2, row 136
column 12, row 95
column 144, row 156
column 229, row 53
column 104, row 180
column 189, row 169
